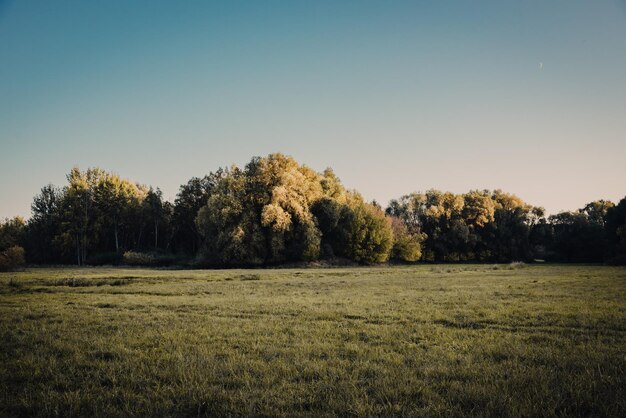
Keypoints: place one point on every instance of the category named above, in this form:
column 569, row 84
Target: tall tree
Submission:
column 44, row 226
column 155, row 211
column 367, row 231
column 615, row 227
column 117, row 200
column 12, row 232
column 190, row 199
column 78, row 210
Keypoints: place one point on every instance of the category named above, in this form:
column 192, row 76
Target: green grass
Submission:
column 420, row 341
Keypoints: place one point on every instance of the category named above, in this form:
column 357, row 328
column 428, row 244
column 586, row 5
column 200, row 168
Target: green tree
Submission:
column 366, row 231
column 615, row 227
column 11, row 237
column 406, row 246
column 229, row 224
column 118, row 202
column 507, row 237
column 327, row 212
column 77, row 211
column 577, row 238
column 44, row 226
column 191, row 197
column 597, row 210
column 276, row 210
column 262, row 214
column 11, row 232
column 155, row 211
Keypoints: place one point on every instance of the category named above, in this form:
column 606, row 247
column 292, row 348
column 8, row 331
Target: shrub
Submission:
column 135, row 258
column 12, row 258
column 619, row 260
column 105, row 258
column 516, row 265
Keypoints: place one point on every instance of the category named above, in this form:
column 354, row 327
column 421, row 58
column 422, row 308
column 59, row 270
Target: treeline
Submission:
column 276, row 211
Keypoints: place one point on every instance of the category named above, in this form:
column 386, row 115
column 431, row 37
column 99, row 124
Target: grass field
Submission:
column 418, row 341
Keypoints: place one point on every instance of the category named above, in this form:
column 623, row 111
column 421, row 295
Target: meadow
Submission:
column 428, row 340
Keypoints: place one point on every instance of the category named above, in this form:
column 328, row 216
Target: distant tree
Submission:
column 44, row 226
column 507, row 237
column 12, row 258
column 11, row 232
column 541, row 236
column 287, row 192
column 230, row 227
column 621, row 244
column 11, row 237
column 406, row 246
column 276, row 210
column 155, row 212
column 478, row 208
column 411, row 210
column 447, row 234
column 97, row 212
column 366, row 231
column 596, row 211
column 327, row 213
column 331, row 186
column 77, row 212
column 190, row 199
column 118, row 202
column 262, row 214
column 479, row 225
column 577, row 238
column 615, row 229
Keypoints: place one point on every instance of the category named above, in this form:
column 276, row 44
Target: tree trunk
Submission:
column 77, row 249
column 156, row 234
column 117, row 244
column 84, row 249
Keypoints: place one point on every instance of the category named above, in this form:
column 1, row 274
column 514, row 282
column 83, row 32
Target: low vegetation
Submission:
column 439, row 340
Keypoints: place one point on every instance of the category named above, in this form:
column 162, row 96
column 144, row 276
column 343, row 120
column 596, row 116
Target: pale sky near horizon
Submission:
column 395, row 96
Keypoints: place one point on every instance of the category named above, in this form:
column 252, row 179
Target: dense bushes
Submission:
column 150, row 259
column 275, row 211
column 12, row 258
column 12, row 233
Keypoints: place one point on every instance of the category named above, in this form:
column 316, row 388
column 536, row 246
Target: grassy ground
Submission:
column 424, row 341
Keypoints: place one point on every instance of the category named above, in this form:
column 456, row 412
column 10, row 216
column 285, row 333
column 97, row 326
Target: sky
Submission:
column 395, row 96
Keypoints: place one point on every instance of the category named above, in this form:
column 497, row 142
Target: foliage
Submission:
column 12, row 258
column 11, row 232
column 479, row 225
column 148, row 259
column 407, row 247
column 367, row 232
column 275, row 210
column 94, row 218
column 615, row 225
column 191, row 197
column 577, row 238
column 43, row 236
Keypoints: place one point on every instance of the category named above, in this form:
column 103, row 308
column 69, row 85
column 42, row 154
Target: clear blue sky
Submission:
column 527, row 96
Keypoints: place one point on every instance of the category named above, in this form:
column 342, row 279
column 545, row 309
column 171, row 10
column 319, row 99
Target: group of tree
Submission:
column 275, row 211
column 493, row 226
column 93, row 219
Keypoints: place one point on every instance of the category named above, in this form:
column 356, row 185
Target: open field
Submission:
column 427, row 340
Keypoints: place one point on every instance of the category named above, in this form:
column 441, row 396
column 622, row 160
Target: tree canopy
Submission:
column 275, row 210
